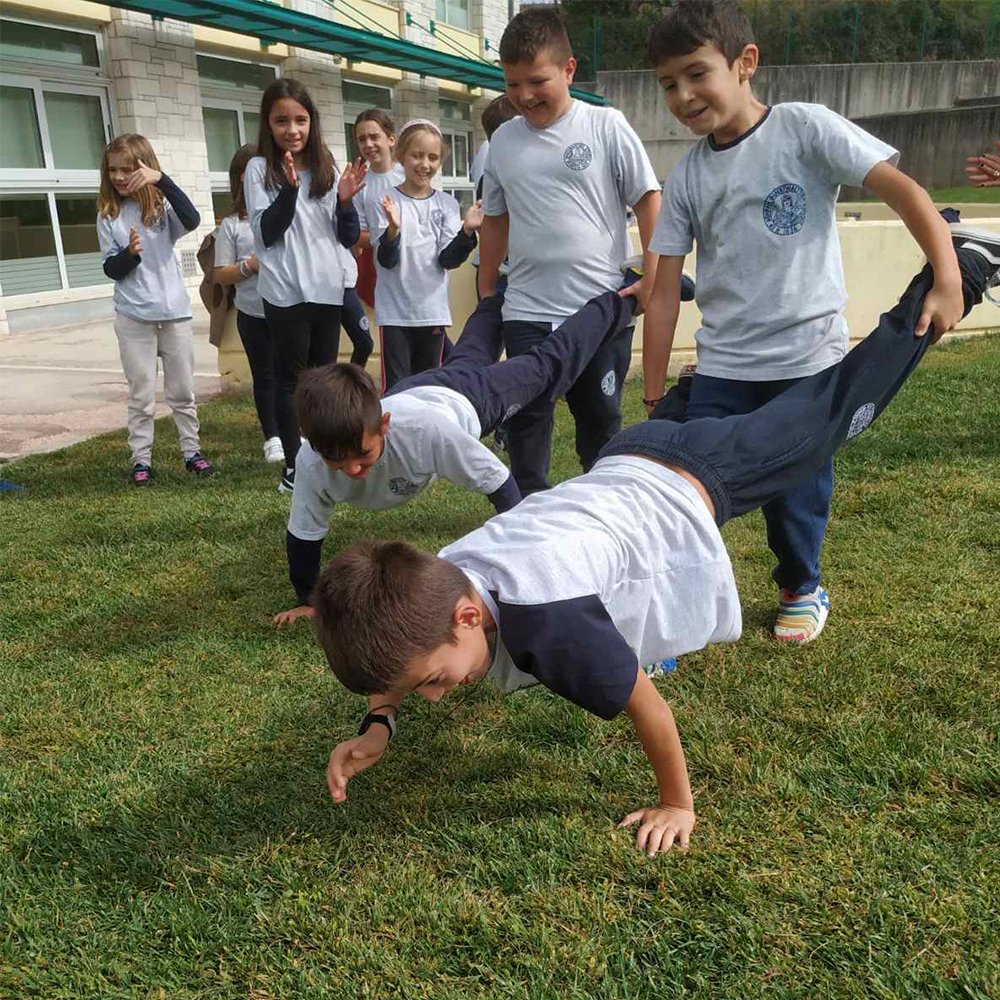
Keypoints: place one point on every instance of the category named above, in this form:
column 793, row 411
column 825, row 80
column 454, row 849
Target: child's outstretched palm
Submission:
column 391, row 210
column 291, row 174
column 352, row 180
column 134, row 243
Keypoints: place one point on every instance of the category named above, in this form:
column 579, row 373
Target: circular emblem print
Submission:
column 578, row 156
column 363, row 323
column 863, row 416
column 510, row 411
column 785, row 209
column 437, row 217
column 608, row 383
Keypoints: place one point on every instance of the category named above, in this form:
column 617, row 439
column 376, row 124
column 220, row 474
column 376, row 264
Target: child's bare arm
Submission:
column 492, row 250
column 359, row 753
column 943, row 306
column 673, row 819
column 646, row 212
column 659, row 327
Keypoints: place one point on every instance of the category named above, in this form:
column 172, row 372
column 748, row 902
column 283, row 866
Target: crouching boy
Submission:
column 568, row 593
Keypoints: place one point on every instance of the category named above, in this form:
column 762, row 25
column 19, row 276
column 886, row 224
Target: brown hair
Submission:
column 531, row 32
column 237, row 166
column 410, row 132
column 337, row 404
column 498, row 111
column 381, row 604
column 322, row 165
column 688, row 25
column 380, row 117
column 149, row 198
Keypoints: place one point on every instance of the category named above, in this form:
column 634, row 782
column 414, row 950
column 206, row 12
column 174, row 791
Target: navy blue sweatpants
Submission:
column 744, row 461
column 499, row 389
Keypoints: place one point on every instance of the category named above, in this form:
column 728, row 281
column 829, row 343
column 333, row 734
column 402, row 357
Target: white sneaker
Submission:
column 273, row 452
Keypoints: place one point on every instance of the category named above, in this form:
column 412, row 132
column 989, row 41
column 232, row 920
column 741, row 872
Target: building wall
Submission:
column 855, row 91
column 153, row 87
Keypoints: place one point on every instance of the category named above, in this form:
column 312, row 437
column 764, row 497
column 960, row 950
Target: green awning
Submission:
column 273, row 24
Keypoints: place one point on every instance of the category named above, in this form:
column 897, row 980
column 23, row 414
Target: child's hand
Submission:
column 352, row 180
column 294, row 614
column 142, row 176
column 984, row 171
column 642, row 290
column 391, row 210
column 253, row 265
column 134, row 243
column 943, row 309
column 660, row 827
column 290, row 172
column 352, row 757
column 473, row 218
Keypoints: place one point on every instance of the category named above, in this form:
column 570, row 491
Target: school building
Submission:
column 188, row 75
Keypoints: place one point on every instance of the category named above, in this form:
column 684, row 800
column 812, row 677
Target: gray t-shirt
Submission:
column 304, row 264
column 761, row 212
column 566, row 189
column 415, row 291
column 234, row 243
column 433, row 432
column 154, row 290
column 583, row 595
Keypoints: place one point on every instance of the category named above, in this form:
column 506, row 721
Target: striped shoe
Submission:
column 801, row 617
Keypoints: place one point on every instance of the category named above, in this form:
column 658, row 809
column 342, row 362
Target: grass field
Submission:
column 164, row 824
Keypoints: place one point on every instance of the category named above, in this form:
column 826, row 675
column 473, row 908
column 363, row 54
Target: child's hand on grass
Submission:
column 660, row 827
column 293, row 614
column 352, row 757
column 943, row 308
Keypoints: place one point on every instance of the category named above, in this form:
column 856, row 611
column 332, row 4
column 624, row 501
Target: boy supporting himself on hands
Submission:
column 570, row 594
column 757, row 195
column 355, row 456
column 557, row 185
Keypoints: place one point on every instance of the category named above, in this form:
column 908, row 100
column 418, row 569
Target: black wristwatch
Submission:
column 383, row 720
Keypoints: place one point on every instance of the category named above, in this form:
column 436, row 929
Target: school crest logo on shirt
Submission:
column 863, row 416
column 785, row 209
column 402, row 487
column 437, row 217
column 608, row 383
column 579, row 156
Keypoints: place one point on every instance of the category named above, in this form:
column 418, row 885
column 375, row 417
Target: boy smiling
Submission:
column 757, row 196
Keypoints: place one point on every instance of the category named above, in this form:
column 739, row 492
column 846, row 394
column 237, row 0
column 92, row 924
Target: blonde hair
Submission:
column 410, row 131
column 149, row 198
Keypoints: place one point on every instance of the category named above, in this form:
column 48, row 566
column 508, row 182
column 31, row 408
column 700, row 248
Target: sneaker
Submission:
column 141, row 474
column 801, row 617
column 660, row 667
column 199, row 465
column 985, row 244
column 273, row 452
column 287, row 484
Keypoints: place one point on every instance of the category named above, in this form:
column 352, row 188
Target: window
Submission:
column 360, row 97
column 456, row 126
column 54, row 99
column 453, row 12
column 230, row 109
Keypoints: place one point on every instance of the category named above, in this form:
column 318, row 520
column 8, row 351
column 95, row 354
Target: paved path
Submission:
column 58, row 387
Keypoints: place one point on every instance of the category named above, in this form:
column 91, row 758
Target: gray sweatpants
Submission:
column 139, row 343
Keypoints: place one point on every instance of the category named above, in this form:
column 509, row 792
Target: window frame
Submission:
column 447, row 6
column 451, row 128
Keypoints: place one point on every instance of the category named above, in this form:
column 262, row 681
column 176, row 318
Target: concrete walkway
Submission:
column 58, row 387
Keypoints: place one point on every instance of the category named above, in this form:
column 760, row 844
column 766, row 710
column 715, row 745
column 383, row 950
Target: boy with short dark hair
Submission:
column 380, row 453
column 756, row 196
column 573, row 595
column 557, row 185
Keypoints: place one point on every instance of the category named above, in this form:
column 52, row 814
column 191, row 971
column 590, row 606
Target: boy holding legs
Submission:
column 757, row 196
column 379, row 454
column 568, row 593
column 557, row 185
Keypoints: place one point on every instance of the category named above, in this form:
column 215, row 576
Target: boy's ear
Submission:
column 384, row 423
column 747, row 61
column 570, row 69
column 467, row 613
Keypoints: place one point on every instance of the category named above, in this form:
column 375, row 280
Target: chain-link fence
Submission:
column 612, row 36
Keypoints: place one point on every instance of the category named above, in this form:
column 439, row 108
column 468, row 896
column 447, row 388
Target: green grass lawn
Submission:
column 165, row 829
